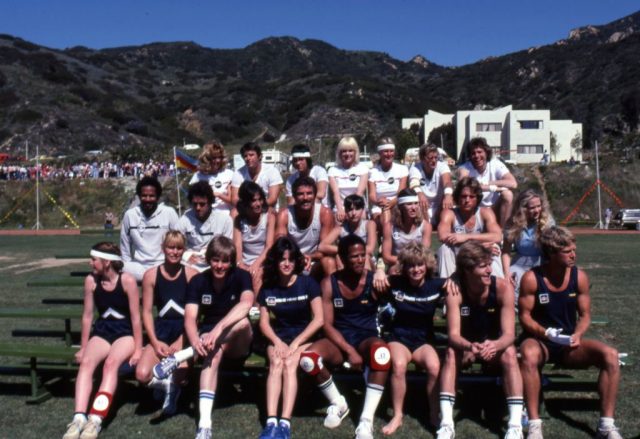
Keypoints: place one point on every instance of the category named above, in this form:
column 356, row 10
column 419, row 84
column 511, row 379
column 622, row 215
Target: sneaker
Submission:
column 90, row 430
column 203, row 433
column 364, row 429
column 336, row 413
column 170, row 403
column 446, row 431
column 74, row 429
column 269, row 431
column 535, row 430
column 611, row 433
column 514, row 432
column 283, row 432
column 165, row 368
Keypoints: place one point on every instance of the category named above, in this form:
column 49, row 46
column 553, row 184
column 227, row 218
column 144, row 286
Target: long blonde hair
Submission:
column 347, row 143
column 518, row 220
column 209, row 150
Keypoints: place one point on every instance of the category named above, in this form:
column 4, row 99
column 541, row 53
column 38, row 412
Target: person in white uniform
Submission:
column 386, row 179
column 266, row 176
column 496, row 180
column 213, row 169
column 143, row 228
column 349, row 176
column 431, row 179
column 301, row 161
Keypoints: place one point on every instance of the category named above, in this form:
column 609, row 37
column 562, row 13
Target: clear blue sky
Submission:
column 448, row 32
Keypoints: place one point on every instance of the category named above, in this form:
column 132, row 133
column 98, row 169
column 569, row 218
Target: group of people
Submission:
column 340, row 280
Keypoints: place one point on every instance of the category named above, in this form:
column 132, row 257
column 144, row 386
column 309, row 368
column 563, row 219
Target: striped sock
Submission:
column 515, row 404
column 447, row 400
column 205, row 406
column 371, row 401
column 330, row 391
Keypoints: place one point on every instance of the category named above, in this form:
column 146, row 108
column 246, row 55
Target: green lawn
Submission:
column 610, row 261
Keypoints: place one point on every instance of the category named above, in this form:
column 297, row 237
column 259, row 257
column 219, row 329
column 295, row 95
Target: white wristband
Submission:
column 448, row 191
column 493, row 188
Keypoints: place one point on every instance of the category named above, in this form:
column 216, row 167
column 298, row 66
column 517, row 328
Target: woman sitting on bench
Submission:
column 115, row 338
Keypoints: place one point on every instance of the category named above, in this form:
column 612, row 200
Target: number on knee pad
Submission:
column 311, row 362
column 379, row 356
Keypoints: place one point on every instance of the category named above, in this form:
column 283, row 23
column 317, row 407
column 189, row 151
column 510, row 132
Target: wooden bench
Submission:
column 45, row 313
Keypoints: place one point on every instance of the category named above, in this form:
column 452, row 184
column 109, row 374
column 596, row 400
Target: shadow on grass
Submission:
column 556, row 406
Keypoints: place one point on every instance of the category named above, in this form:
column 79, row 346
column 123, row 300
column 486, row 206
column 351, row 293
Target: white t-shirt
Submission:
column 387, row 182
column 219, row 183
column 495, row 170
column 348, row 179
column 431, row 188
column 268, row 177
column 317, row 173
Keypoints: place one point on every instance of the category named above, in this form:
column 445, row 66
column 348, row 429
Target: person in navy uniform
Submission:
column 290, row 317
column 216, row 320
column 481, row 327
column 352, row 334
column 414, row 296
column 116, row 337
column 164, row 286
column 555, row 313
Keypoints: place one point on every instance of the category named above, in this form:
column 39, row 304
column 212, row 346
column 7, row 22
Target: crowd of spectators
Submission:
column 87, row 170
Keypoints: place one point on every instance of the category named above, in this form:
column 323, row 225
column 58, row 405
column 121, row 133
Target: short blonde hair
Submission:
column 555, row 238
column 415, row 253
column 345, row 144
column 173, row 237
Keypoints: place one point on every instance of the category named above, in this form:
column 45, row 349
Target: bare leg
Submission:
column 144, row 369
column 290, row 378
column 532, row 357
column 121, row 350
column 427, row 358
column 274, row 382
column 400, row 359
column 96, row 350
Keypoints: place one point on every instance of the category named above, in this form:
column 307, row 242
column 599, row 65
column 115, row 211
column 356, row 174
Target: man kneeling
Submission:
column 550, row 296
column 481, row 327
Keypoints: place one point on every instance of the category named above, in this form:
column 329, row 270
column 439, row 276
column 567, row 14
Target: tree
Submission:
column 445, row 137
column 576, row 143
column 554, row 146
column 405, row 140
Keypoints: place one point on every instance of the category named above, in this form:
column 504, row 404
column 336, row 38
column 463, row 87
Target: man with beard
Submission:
column 143, row 229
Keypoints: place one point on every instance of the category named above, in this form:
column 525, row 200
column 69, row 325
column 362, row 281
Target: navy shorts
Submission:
column 168, row 330
column 111, row 330
column 411, row 338
column 556, row 351
column 355, row 338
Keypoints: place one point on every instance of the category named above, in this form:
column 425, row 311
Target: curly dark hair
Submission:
column 246, row 194
column 270, row 273
column 149, row 181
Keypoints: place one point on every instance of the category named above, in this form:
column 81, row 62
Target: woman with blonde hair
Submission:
column 213, row 169
column 348, row 177
column 529, row 217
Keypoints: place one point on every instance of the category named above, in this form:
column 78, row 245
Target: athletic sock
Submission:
column 184, row 354
column 272, row 420
column 515, row 404
column 371, row 401
column 80, row 417
column 606, row 423
column 535, row 421
column 96, row 419
column 285, row 422
column 205, row 407
column 447, row 400
column 330, row 391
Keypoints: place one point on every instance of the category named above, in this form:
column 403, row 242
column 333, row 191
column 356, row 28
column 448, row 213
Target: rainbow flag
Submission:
column 185, row 161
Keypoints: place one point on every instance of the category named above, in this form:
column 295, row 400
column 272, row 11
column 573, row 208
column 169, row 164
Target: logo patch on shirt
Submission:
column 465, row 311
column 271, row 301
column 399, row 296
column 353, row 177
column 391, row 180
column 338, row 303
column 544, row 298
column 395, row 235
column 218, row 185
column 572, row 294
column 491, row 310
column 423, row 182
column 206, row 299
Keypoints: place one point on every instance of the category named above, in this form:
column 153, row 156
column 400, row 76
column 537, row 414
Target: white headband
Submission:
column 386, row 146
column 408, row 199
column 301, row 155
column 103, row 255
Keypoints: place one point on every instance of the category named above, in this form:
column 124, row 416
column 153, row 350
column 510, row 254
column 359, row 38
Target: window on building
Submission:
column 489, row 126
column 531, row 124
column 530, row 149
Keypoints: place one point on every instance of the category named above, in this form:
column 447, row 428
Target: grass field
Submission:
column 612, row 262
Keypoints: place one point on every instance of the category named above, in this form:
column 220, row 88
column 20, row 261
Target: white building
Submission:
column 272, row 156
column 522, row 136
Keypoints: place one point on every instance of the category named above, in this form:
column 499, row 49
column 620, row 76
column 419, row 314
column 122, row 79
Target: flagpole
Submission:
column 175, row 165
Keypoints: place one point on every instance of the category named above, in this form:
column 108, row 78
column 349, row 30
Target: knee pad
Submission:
column 101, row 404
column 311, row 363
column 379, row 356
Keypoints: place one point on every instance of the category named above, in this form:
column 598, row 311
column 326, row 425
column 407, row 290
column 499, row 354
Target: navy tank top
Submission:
column 357, row 314
column 111, row 305
column 556, row 309
column 480, row 322
column 169, row 296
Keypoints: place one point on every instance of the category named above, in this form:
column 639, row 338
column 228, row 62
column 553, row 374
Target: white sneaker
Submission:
column 535, row 430
column 74, row 429
column 364, row 430
column 336, row 413
column 90, row 430
column 203, row 433
column 610, row 433
column 446, row 431
column 514, row 432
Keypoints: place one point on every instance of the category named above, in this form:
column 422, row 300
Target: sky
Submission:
column 449, row 33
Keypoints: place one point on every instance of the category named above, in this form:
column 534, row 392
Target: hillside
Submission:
column 138, row 101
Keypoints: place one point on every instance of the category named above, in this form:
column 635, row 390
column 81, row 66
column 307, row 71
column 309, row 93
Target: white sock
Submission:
column 515, row 404
column 184, row 354
column 80, row 418
column 272, row 420
column 330, row 391
column 535, row 421
column 606, row 423
column 371, row 401
column 96, row 419
column 447, row 400
column 205, row 407
column 285, row 422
